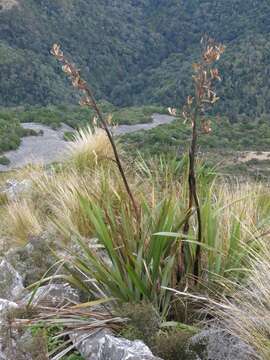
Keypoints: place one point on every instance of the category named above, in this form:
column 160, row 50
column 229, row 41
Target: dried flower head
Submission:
column 89, row 100
column 204, row 77
column 74, row 74
column 172, row 111
column 206, row 126
column 56, row 51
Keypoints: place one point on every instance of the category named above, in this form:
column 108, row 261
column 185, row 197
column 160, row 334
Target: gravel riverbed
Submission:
column 51, row 146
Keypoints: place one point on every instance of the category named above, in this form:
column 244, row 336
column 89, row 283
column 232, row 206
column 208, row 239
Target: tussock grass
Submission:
column 90, row 146
column 247, row 314
column 22, row 221
column 234, row 217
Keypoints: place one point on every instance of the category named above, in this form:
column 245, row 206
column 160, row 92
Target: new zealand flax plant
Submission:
column 195, row 112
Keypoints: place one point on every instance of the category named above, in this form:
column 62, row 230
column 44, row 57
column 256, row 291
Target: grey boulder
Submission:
column 214, row 343
column 9, row 339
column 6, row 307
column 11, row 284
column 34, row 259
column 104, row 346
column 53, row 295
column 13, row 188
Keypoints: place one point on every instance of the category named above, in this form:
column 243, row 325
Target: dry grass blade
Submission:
column 85, row 319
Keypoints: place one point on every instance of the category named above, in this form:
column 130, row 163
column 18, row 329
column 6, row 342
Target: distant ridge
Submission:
column 135, row 51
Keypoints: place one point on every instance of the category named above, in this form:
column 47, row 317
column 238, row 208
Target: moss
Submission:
column 173, row 345
column 143, row 322
column 170, row 343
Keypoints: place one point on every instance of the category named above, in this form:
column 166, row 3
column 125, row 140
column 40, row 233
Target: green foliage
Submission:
column 140, row 261
column 136, row 52
column 137, row 115
column 169, row 343
column 172, row 138
column 173, row 345
column 4, row 160
column 68, row 136
column 53, row 342
column 10, row 133
column 222, row 147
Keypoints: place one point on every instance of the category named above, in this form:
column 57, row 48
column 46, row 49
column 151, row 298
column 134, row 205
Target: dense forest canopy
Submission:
column 135, row 51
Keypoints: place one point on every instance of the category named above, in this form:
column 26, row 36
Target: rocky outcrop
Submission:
column 20, row 345
column 5, row 307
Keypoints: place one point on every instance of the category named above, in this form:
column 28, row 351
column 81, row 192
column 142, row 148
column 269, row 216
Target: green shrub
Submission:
column 4, row 160
column 29, row 132
column 68, row 136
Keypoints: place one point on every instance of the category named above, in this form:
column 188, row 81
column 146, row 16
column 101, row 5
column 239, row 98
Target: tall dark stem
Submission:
column 90, row 101
column 205, row 96
column 116, row 155
column 193, row 193
column 193, row 198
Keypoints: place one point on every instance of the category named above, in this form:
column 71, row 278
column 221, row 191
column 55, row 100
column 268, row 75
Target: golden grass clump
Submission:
column 247, row 315
column 59, row 196
column 89, row 147
column 22, row 221
column 234, row 216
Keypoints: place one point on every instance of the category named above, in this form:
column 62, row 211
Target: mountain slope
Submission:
column 135, row 51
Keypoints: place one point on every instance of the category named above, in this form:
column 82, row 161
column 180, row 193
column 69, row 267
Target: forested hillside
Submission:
column 135, row 51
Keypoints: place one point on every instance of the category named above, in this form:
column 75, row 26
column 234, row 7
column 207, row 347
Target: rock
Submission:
column 14, row 188
column 53, row 295
column 6, row 307
column 32, row 260
column 215, row 343
column 104, row 346
column 9, row 348
column 11, row 283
